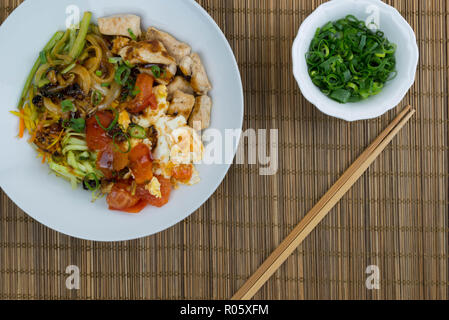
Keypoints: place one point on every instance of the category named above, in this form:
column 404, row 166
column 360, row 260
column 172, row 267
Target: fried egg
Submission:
column 177, row 142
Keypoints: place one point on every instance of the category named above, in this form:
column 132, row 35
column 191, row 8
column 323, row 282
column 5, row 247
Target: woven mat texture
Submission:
column 395, row 217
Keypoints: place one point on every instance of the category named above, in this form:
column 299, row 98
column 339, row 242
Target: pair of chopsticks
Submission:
column 322, row 208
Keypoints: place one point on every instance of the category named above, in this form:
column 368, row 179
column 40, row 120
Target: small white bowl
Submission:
column 396, row 29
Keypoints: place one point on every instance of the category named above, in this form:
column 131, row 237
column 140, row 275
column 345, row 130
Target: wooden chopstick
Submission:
column 322, row 208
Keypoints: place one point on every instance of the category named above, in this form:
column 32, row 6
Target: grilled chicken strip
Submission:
column 146, row 52
column 181, row 84
column 200, row 82
column 200, row 117
column 119, row 25
column 182, row 104
column 175, row 48
column 186, row 66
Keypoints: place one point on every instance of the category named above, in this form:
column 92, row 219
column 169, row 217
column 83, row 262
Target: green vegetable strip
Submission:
column 81, row 38
column 349, row 62
column 58, row 35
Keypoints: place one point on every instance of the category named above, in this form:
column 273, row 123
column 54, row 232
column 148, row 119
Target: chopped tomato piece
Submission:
column 166, row 187
column 183, row 172
column 96, row 136
column 138, row 207
column 110, row 160
column 145, row 97
column 153, row 102
column 141, row 163
column 121, row 199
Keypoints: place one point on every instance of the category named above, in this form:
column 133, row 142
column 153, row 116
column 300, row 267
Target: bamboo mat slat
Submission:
column 395, row 217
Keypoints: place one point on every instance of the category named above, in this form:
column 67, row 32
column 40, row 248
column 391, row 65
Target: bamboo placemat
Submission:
column 396, row 216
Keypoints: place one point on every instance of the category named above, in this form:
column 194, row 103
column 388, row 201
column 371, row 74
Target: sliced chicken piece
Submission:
column 200, row 117
column 181, row 84
column 119, row 25
column 166, row 76
column 170, row 72
column 119, row 43
column 175, row 48
column 200, row 82
column 146, row 52
column 181, row 105
column 186, row 66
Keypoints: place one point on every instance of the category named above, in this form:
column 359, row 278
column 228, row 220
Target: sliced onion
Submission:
column 98, row 87
column 112, row 95
column 94, row 63
column 63, row 82
column 84, row 79
column 52, row 107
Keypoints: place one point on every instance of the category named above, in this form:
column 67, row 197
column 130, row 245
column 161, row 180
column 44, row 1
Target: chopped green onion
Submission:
column 131, row 33
column 122, row 74
column 341, row 95
column 67, row 106
column 128, row 64
column 96, row 97
column 137, row 132
column 117, row 147
column 91, row 177
column 99, row 73
column 113, row 123
column 349, row 62
column 156, row 70
column 115, row 60
column 105, row 85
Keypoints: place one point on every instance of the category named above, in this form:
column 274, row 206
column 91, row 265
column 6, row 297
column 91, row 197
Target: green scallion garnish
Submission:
column 96, row 97
column 122, row 74
column 156, row 70
column 131, row 34
column 113, row 123
column 137, row 132
column 115, row 60
column 349, row 62
column 91, row 177
column 117, row 147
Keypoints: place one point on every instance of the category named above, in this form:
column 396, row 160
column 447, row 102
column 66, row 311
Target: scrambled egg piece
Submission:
column 124, row 120
column 150, row 116
column 154, row 188
column 177, row 142
column 195, row 178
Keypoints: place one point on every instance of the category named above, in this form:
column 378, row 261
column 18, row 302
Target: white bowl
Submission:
column 50, row 199
column 396, row 29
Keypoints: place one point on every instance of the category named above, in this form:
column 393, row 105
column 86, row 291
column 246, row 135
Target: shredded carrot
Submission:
column 56, row 140
column 21, row 124
column 44, row 157
column 38, row 128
